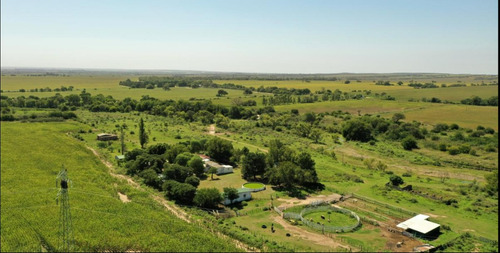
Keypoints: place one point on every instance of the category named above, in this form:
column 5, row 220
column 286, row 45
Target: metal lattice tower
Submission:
column 65, row 227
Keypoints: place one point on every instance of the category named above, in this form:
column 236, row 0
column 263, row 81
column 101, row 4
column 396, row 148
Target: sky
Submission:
column 266, row 36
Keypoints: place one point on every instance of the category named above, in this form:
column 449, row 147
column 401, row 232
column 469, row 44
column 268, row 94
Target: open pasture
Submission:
column 452, row 94
column 464, row 115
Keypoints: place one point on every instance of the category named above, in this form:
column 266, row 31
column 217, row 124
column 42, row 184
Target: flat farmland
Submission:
column 453, row 94
column 14, row 83
column 464, row 115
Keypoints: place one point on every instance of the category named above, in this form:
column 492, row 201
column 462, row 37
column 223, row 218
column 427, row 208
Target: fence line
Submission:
column 383, row 204
column 322, row 227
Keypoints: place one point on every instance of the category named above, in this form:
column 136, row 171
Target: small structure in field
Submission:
column 420, row 226
column 107, row 137
column 243, row 194
column 221, row 168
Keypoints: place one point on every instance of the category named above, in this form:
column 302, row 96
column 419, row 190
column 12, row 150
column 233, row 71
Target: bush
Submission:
column 396, row 180
column 193, row 180
column 440, row 128
column 453, row 151
column 442, row 147
column 454, row 126
column 357, row 130
column 409, row 143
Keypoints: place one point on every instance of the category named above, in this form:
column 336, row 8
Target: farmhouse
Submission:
column 420, row 226
column 107, row 137
column 221, row 169
column 243, row 194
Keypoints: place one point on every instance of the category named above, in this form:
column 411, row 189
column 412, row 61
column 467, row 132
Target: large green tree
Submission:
column 196, row 164
column 357, row 130
column 207, row 197
column 253, row 165
column 143, row 136
column 219, row 149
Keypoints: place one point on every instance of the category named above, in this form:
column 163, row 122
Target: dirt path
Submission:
column 295, row 201
column 211, row 131
column 179, row 213
column 318, row 239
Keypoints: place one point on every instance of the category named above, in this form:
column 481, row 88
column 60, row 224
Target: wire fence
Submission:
column 321, row 226
column 368, row 200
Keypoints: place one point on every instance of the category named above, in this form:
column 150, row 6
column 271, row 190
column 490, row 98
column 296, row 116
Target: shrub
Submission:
column 409, row 143
column 439, row 128
column 453, row 151
column 454, row 126
column 442, row 147
column 396, row 180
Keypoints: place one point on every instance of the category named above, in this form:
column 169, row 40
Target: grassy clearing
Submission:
column 32, row 155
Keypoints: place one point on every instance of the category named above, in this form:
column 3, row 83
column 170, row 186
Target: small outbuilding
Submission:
column 221, row 168
column 243, row 194
column 107, row 137
column 420, row 226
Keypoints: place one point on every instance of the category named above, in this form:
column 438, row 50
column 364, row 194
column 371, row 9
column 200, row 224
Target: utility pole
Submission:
column 65, row 227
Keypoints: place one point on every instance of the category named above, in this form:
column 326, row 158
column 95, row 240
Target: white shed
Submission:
column 243, row 194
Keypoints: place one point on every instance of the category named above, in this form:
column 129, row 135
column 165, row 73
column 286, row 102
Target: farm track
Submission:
column 178, row 212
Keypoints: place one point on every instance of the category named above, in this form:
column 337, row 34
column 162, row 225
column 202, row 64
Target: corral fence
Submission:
column 321, row 226
column 368, row 200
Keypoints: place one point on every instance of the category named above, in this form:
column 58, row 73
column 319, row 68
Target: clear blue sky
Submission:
column 331, row 36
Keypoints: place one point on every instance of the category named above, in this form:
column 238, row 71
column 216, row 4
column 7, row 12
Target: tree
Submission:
column 315, row 135
column 207, row 197
column 230, row 193
column 221, row 93
column 400, row 83
column 150, row 178
column 278, row 152
column 396, row 180
column 247, row 92
column 122, row 139
column 179, row 192
column 397, row 117
column 219, row 149
column 253, row 165
column 409, row 143
column 143, row 136
column 193, row 180
column 492, row 183
column 212, row 171
column 183, row 158
column 176, row 172
column 197, row 165
column 286, row 173
column 357, row 130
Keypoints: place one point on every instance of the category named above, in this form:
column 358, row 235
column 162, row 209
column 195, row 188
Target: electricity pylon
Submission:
column 65, row 228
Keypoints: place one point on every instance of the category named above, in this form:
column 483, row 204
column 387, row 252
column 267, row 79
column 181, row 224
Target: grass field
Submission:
column 32, row 155
column 14, row 83
column 453, row 94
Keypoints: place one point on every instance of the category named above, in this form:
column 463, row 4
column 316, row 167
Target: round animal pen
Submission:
column 254, row 186
column 323, row 226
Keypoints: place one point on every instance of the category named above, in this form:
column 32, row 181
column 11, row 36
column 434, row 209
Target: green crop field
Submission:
column 32, row 155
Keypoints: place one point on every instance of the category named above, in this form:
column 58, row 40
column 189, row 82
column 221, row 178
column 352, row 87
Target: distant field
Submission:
column 453, row 94
column 122, row 92
column 316, row 85
column 428, row 113
column 463, row 115
column 14, row 83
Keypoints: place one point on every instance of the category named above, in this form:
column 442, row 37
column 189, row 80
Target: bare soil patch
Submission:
column 124, row 198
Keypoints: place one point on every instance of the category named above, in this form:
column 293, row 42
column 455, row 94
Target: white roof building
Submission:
column 419, row 223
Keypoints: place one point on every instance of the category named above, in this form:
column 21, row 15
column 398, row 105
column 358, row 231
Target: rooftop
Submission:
column 419, row 223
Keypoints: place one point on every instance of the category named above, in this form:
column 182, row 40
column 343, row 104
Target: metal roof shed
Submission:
column 419, row 223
